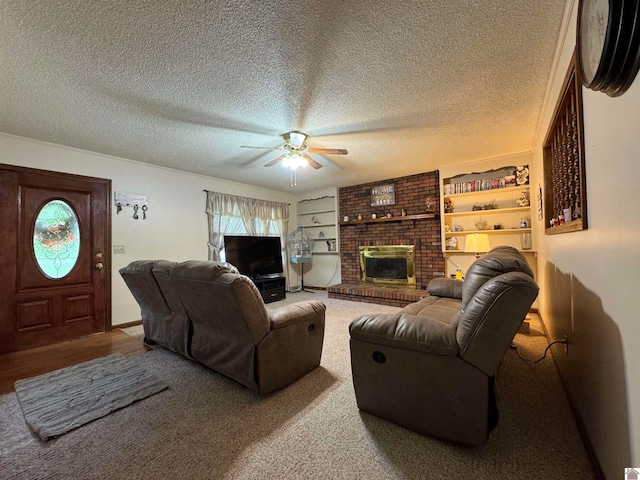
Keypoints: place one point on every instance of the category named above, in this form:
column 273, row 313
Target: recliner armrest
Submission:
column 445, row 287
column 295, row 313
column 410, row 332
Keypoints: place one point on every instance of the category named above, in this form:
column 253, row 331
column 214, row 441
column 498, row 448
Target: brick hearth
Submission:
column 411, row 193
column 396, row 297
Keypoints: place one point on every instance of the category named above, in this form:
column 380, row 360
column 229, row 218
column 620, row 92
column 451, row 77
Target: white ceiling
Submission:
column 405, row 86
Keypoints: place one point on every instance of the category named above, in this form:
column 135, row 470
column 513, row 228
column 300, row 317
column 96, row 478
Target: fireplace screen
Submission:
column 388, row 264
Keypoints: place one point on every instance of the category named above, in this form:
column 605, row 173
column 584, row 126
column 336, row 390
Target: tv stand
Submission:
column 272, row 289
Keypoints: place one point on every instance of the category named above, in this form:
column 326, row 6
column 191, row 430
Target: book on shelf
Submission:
column 481, row 185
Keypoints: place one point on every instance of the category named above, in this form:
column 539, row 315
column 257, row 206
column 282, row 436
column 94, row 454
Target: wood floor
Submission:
column 36, row 361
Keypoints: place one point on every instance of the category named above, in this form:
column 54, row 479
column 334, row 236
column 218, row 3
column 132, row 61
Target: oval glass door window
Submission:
column 56, row 239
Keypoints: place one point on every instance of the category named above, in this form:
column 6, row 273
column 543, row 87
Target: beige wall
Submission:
column 589, row 279
column 176, row 225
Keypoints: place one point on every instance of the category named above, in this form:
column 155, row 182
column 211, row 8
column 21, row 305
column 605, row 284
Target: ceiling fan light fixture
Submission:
column 295, row 153
column 293, row 161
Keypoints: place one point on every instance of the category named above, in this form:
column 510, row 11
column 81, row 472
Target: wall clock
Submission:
column 608, row 44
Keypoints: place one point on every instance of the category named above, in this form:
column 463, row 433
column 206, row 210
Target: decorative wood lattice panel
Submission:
column 565, row 186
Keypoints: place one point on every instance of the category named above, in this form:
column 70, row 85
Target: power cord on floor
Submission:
column 515, row 347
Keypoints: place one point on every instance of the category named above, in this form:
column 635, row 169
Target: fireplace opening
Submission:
column 388, row 264
column 387, row 268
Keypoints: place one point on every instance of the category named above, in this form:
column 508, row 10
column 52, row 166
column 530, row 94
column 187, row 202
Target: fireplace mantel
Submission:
column 422, row 216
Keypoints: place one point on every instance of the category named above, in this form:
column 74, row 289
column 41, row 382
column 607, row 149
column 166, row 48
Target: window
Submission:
column 56, row 239
column 234, row 215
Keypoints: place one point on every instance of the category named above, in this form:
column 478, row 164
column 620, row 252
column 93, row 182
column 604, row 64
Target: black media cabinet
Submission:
column 272, row 289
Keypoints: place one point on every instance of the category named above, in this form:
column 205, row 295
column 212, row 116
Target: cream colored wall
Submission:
column 589, row 279
column 176, row 225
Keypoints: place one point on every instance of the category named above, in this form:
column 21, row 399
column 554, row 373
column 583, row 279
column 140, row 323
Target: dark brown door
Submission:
column 55, row 281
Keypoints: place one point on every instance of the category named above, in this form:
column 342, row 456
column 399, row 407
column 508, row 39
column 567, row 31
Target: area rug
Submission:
column 59, row 401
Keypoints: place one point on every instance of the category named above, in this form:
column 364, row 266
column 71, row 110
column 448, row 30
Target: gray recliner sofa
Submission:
column 209, row 312
column 431, row 367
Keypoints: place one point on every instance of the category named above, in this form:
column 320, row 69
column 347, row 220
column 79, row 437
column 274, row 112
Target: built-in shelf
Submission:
column 490, row 211
column 318, row 215
column 500, row 231
column 422, row 216
column 462, row 252
column 512, row 210
column 319, row 225
column 315, row 212
column 493, row 191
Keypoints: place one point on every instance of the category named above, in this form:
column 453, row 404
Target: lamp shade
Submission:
column 477, row 242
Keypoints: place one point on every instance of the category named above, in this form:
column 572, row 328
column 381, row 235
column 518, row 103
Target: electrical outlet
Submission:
column 566, row 345
column 117, row 249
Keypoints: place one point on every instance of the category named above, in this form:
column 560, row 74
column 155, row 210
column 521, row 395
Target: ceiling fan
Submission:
column 295, row 151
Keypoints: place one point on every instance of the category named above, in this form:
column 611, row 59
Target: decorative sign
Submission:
column 383, row 195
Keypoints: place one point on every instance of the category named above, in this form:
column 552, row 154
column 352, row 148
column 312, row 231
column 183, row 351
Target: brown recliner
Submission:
column 228, row 327
column 164, row 319
column 431, row 367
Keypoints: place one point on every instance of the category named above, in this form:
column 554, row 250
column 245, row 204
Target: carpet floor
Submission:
column 205, row 426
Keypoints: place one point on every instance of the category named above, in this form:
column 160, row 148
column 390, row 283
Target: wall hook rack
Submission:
column 137, row 201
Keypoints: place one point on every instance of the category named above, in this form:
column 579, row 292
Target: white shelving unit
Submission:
column 508, row 214
column 503, row 218
column 319, row 217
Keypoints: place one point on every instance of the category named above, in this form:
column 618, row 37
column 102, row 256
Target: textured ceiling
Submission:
column 405, row 86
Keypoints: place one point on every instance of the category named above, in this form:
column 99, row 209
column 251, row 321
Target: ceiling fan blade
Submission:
column 273, row 162
column 312, row 162
column 261, row 148
column 329, row 151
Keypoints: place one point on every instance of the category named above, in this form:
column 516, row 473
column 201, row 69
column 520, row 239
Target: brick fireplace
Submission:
column 417, row 229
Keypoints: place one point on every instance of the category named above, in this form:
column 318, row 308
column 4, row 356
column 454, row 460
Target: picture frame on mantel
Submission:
column 565, row 189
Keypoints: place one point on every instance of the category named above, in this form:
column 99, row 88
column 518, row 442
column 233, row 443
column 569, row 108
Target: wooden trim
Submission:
column 135, row 323
column 51, row 173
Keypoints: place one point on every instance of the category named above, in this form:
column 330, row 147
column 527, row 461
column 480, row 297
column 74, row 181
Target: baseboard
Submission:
column 135, row 323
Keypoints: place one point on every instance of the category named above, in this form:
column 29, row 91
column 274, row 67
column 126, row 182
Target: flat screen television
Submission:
column 254, row 256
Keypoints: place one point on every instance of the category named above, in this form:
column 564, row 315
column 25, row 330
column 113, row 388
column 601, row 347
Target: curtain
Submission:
column 233, row 215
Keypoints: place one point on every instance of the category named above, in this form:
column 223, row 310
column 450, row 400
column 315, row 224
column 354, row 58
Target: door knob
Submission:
column 99, row 265
column 99, row 255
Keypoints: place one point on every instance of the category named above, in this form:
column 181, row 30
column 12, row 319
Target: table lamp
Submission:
column 477, row 242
